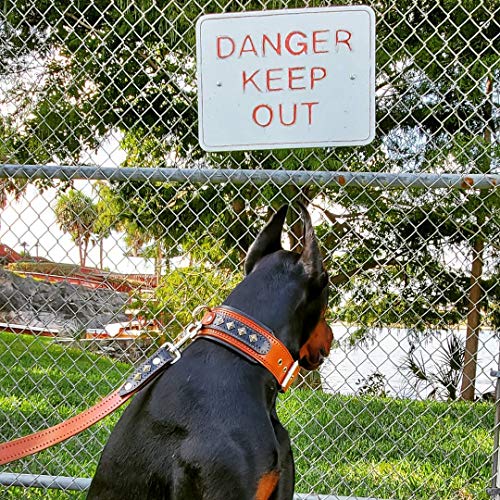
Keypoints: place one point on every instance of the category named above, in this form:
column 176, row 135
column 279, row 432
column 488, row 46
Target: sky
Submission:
column 31, row 220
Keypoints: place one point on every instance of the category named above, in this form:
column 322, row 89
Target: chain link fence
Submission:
column 115, row 225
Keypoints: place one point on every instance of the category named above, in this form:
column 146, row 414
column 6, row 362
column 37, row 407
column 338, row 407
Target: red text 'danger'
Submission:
column 286, row 115
column 294, row 43
column 278, row 79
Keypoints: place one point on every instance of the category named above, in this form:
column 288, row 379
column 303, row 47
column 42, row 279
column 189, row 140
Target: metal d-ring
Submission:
column 199, row 309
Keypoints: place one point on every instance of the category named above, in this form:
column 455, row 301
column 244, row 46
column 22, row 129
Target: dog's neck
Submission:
column 279, row 326
column 262, row 297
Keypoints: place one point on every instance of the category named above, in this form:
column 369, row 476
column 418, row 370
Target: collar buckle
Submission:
column 290, row 377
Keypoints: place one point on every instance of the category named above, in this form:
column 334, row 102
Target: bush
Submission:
column 179, row 293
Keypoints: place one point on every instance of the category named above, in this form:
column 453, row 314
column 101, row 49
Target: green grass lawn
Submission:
column 346, row 445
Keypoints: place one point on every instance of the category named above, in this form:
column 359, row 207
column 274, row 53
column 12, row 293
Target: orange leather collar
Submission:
column 252, row 339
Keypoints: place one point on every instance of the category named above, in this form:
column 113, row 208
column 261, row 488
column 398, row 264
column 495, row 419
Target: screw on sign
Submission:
column 263, row 82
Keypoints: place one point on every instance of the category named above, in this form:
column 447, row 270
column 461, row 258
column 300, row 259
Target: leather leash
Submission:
column 38, row 441
column 222, row 324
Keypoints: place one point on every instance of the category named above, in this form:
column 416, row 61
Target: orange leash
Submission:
column 33, row 443
column 38, row 441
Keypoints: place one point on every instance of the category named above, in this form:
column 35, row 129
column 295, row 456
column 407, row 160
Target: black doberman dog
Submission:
column 207, row 427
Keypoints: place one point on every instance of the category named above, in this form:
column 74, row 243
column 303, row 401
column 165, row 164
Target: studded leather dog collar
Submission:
column 252, row 339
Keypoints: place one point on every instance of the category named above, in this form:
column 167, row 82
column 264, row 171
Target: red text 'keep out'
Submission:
column 284, row 78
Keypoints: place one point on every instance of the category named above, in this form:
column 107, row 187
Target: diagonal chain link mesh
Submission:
column 115, row 225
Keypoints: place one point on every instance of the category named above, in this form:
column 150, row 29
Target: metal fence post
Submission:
column 494, row 491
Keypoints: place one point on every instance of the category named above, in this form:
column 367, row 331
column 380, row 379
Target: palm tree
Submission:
column 446, row 373
column 76, row 214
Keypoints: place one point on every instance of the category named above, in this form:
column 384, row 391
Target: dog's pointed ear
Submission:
column 311, row 258
column 268, row 240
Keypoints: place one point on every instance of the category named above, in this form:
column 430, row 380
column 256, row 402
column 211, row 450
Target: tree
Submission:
column 434, row 121
column 107, row 217
column 445, row 375
column 133, row 70
column 9, row 188
column 76, row 214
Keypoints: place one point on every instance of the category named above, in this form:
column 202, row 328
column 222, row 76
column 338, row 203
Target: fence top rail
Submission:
column 256, row 177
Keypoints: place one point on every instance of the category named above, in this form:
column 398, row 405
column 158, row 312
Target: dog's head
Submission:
column 304, row 295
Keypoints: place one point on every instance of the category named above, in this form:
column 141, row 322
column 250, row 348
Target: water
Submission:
column 347, row 365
